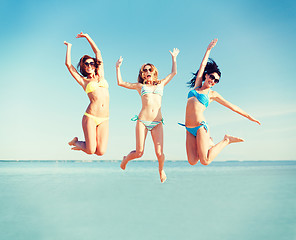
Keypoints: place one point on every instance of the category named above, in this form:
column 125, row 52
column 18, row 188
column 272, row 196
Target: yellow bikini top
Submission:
column 93, row 85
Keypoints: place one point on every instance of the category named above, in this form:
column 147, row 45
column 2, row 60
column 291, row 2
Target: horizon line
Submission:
column 113, row 160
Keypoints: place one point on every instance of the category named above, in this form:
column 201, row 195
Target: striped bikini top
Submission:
column 202, row 98
column 93, row 85
column 147, row 89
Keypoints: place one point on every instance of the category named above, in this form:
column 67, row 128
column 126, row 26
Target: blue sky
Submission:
column 42, row 105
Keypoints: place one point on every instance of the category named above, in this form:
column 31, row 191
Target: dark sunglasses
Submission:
column 147, row 69
column 89, row 64
column 212, row 77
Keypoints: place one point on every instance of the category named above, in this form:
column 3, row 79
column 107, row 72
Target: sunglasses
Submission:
column 212, row 77
column 89, row 64
column 147, row 69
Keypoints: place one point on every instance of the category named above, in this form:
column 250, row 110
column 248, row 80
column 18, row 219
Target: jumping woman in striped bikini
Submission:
column 150, row 88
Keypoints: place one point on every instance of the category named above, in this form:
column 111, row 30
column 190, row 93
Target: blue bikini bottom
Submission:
column 194, row 130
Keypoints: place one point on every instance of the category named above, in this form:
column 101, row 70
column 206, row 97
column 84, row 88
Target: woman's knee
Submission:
column 90, row 150
column 159, row 155
column 139, row 153
column 100, row 152
column 101, row 149
column 204, row 161
column 192, row 161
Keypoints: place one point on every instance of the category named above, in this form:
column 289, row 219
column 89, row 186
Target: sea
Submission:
column 69, row 200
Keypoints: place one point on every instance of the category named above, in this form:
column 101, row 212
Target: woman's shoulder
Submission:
column 138, row 86
column 160, row 82
column 213, row 94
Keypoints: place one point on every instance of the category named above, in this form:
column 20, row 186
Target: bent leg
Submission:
column 202, row 144
column 157, row 137
column 208, row 155
column 214, row 151
column 89, row 145
column 141, row 133
column 102, row 134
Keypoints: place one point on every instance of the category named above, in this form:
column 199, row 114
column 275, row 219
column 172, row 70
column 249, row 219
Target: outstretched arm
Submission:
column 70, row 67
column 120, row 82
column 217, row 97
column 198, row 81
column 92, row 44
column 174, row 66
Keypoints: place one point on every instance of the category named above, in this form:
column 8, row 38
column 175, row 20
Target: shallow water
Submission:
column 78, row 200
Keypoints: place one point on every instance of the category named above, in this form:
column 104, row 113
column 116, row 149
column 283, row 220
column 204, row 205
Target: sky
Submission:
column 42, row 105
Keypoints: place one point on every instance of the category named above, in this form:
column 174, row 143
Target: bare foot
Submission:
column 73, row 141
column 123, row 163
column 163, row 177
column 233, row 139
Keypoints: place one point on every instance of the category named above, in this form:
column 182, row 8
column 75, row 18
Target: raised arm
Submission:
column 96, row 51
column 198, row 81
column 217, row 97
column 120, row 82
column 174, row 66
column 70, row 67
column 92, row 44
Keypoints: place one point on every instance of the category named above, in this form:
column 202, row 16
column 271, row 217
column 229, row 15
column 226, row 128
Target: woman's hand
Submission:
column 119, row 62
column 67, row 44
column 253, row 120
column 175, row 52
column 81, row 35
column 212, row 44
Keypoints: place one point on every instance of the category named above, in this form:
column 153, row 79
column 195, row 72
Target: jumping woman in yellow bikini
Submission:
column 95, row 122
column 150, row 88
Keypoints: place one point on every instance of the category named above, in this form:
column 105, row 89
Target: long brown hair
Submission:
column 81, row 66
column 154, row 74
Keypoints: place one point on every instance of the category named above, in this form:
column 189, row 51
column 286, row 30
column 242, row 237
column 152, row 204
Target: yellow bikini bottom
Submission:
column 98, row 120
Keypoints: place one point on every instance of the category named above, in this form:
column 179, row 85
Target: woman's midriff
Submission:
column 194, row 113
column 151, row 108
column 99, row 103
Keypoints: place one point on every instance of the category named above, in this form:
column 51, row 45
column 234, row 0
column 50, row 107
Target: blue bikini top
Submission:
column 147, row 89
column 202, row 98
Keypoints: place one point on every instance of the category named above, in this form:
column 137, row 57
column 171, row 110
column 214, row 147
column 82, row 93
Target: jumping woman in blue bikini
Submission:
column 150, row 118
column 199, row 146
